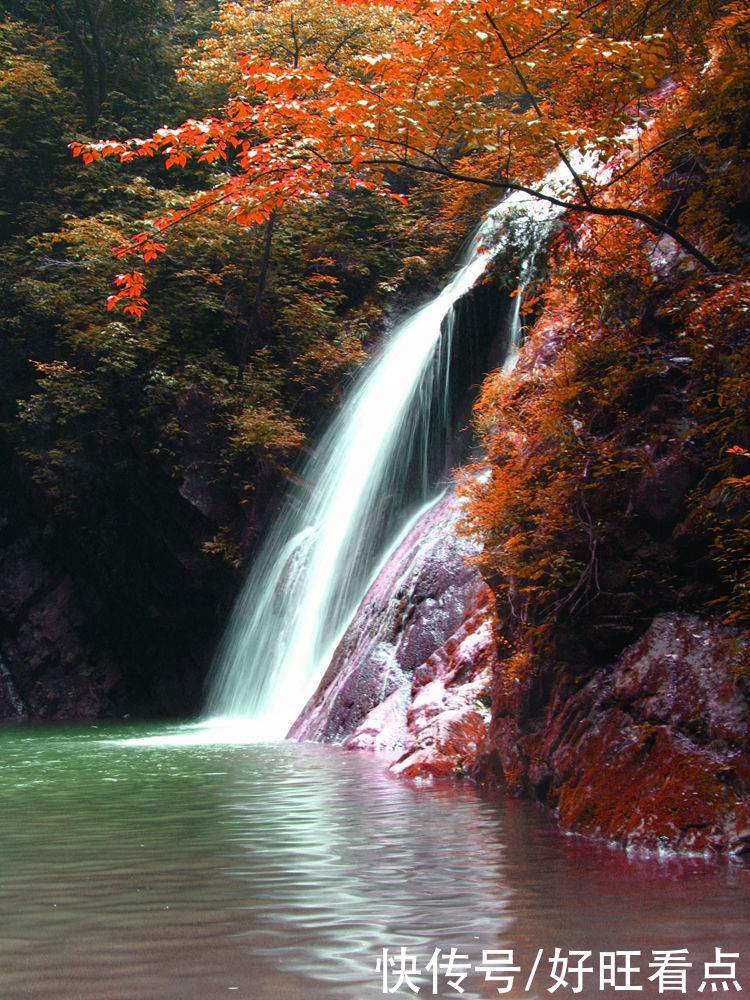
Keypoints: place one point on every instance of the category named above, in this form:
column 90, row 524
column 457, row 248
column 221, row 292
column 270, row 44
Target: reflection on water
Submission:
column 180, row 870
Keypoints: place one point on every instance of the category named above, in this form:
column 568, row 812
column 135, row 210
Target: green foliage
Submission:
column 32, row 116
column 92, row 402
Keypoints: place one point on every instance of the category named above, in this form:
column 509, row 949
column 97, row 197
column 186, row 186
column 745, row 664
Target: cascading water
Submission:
column 376, row 465
column 370, row 470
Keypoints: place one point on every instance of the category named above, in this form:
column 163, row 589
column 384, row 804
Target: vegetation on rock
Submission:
column 616, row 448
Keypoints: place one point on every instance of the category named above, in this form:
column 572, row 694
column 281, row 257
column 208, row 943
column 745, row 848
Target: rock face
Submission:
column 411, row 675
column 633, row 725
column 44, row 644
column 651, row 753
column 114, row 607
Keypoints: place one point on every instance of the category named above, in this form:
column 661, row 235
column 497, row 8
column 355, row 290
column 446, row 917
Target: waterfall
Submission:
column 378, row 464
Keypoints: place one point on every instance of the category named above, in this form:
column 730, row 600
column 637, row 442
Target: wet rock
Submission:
column 111, row 603
column 411, row 675
column 49, row 670
column 651, row 753
column 11, row 704
column 446, row 746
column 661, row 493
column 679, row 674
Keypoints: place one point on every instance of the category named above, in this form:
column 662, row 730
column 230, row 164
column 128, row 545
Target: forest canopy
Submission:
column 489, row 94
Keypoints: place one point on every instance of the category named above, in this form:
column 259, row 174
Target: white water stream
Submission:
column 369, row 475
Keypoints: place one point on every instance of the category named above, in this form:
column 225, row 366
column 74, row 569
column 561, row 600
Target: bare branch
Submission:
column 558, row 148
column 572, row 206
column 645, row 156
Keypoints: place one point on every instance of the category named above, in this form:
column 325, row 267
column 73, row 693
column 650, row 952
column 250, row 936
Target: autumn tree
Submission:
column 490, row 94
column 85, row 399
column 31, row 115
column 291, row 32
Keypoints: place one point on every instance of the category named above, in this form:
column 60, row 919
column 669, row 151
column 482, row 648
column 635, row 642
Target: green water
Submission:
column 189, row 870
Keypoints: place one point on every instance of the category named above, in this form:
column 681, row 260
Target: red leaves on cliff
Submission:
column 615, row 486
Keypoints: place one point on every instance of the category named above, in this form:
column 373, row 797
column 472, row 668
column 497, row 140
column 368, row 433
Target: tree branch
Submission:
column 558, row 30
column 558, row 148
column 646, row 155
column 571, row 206
column 259, row 293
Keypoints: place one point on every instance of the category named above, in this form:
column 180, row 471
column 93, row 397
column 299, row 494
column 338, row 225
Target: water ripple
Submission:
column 152, row 870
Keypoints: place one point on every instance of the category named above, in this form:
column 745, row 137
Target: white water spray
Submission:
column 369, row 474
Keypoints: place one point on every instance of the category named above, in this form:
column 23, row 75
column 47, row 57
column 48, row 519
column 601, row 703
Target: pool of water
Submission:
column 157, row 863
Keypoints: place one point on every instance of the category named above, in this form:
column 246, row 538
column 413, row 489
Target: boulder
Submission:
column 411, row 674
column 651, row 753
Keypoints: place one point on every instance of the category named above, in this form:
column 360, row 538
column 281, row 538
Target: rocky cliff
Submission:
column 650, row 752
column 603, row 671
column 113, row 607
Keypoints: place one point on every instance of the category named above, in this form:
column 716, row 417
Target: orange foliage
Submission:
column 130, row 289
column 490, row 94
